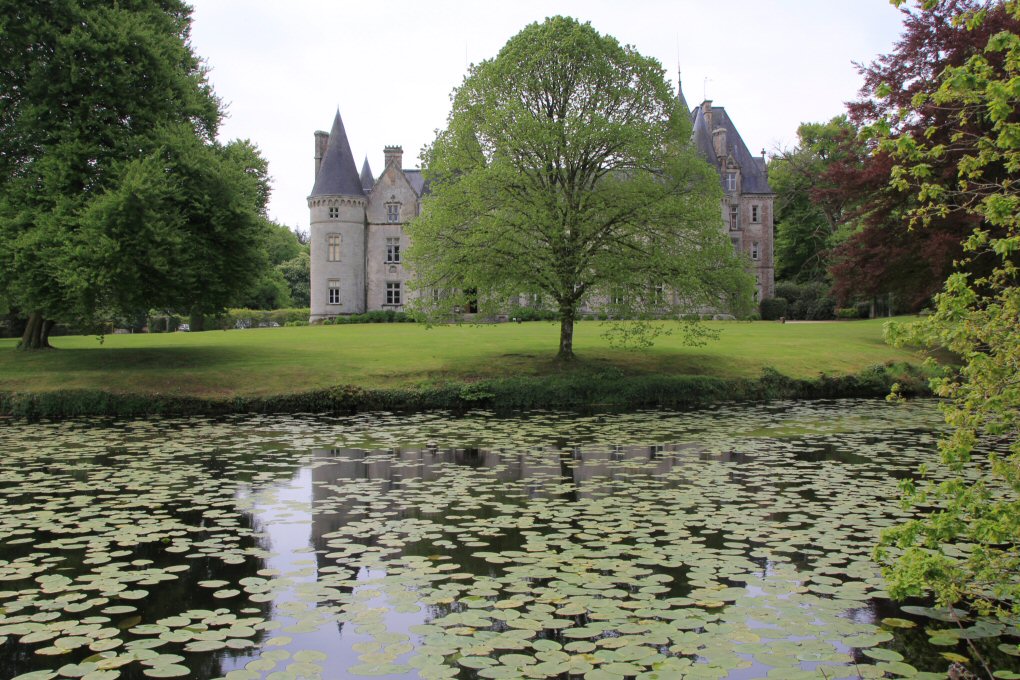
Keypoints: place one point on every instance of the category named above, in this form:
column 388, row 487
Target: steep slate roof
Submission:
column 367, row 180
column 680, row 96
column 753, row 178
column 338, row 175
column 416, row 181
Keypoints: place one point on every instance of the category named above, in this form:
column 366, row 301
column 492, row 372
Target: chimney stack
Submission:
column 394, row 155
column 719, row 141
column 321, row 142
column 706, row 111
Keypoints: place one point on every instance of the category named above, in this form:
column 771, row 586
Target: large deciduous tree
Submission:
column 968, row 548
column 884, row 254
column 105, row 111
column 566, row 171
column 811, row 204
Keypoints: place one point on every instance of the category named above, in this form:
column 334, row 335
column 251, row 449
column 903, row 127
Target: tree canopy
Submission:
column 811, row 206
column 884, row 254
column 114, row 195
column 566, row 172
column 968, row 548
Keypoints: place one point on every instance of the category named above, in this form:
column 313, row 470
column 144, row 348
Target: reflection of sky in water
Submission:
column 284, row 514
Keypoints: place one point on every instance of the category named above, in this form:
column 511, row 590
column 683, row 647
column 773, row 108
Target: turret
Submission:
column 337, row 224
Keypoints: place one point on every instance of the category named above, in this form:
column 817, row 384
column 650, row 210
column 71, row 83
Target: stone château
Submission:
column 357, row 220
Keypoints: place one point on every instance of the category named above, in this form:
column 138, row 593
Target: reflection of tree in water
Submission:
column 349, row 484
column 190, row 507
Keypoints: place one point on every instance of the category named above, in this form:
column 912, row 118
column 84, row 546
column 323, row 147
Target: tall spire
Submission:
column 680, row 92
column 367, row 180
column 338, row 175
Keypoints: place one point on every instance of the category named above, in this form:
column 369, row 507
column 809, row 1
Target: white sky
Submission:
column 283, row 68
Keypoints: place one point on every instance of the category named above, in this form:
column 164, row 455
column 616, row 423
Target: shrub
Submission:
column 771, row 309
column 807, row 300
column 378, row 316
column 532, row 314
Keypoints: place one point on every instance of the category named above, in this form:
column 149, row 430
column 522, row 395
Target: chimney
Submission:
column 394, row 155
column 719, row 141
column 706, row 112
column 321, row 142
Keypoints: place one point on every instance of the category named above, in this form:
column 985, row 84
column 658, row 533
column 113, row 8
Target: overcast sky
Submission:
column 283, row 68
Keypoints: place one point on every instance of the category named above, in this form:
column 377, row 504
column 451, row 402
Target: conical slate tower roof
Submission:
column 338, row 175
column 367, row 180
column 681, row 97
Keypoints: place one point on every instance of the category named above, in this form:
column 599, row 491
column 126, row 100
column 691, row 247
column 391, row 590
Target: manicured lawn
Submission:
column 284, row 360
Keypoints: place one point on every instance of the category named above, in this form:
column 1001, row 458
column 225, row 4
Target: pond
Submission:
column 733, row 542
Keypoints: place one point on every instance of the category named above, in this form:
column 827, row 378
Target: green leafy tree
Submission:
column 566, row 171
column 101, row 104
column 969, row 547
column 297, row 272
column 811, row 216
column 181, row 230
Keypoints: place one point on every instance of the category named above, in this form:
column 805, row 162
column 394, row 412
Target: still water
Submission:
column 733, row 542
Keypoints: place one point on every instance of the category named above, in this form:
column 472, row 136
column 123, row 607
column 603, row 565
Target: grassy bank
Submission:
column 410, row 366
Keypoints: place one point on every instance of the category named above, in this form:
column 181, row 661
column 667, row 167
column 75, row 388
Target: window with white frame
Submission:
column 756, row 214
column 334, row 212
column 333, row 247
column 393, row 293
column 754, row 250
column 334, row 291
column 617, row 297
column 658, row 294
column 731, row 181
column 392, row 213
column 392, row 250
column 734, row 217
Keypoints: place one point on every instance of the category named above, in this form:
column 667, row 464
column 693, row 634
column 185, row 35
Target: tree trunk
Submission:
column 196, row 320
column 37, row 332
column 566, row 352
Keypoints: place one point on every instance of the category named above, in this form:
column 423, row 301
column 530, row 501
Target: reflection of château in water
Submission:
column 581, row 472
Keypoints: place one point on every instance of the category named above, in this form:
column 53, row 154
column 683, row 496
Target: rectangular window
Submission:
column 334, row 291
column 756, row 214
column 333, row 247
column 393, row 292
column 392, row 213
column 617, row 297
column 334, row 213
column 734, row 218
column 731, row 181
column 754, row 250
column 392, row 250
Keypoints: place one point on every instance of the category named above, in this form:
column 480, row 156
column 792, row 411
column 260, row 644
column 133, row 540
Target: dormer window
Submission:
column 334, row 212
column 731, row 181
column 392, row 213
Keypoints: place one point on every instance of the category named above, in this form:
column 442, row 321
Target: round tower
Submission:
column 337, row 225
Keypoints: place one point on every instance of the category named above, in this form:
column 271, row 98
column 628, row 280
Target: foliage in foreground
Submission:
column 114, row 195
column 566, row 170
column 969, row 547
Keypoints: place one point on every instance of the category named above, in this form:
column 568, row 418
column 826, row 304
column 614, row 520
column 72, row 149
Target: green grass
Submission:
column 288, row 360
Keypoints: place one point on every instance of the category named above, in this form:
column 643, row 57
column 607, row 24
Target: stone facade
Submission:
column 747, row 206
column 357, row 229
column 357, row 220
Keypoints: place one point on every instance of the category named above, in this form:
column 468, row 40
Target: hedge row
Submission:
column 592, row 391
